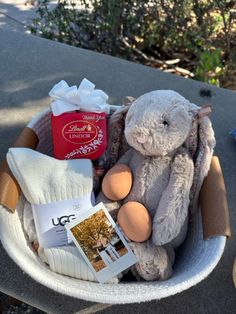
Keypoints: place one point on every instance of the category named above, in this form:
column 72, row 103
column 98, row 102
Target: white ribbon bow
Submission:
column 85, row 98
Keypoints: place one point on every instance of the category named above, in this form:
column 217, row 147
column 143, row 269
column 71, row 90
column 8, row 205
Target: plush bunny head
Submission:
column 158, row 122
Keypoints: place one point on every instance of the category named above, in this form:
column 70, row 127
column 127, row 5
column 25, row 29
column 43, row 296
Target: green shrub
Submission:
column 148, row 31
column 210, row 67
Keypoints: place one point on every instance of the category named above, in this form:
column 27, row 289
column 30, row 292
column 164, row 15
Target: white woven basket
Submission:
column 195, row 261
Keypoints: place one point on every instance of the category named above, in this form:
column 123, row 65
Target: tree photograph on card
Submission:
column 99, row 240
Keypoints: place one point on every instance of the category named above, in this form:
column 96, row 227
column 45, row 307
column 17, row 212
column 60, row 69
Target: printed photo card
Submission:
column 101, row 243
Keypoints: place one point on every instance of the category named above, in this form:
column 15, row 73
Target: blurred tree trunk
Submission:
column 115, row 10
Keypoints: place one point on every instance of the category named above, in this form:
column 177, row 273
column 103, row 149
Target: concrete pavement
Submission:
column 17, row 14
column 18, row 10
column 29, row 67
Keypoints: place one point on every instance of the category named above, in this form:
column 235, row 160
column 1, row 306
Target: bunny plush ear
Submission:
column 200, row 143
column 117, row 144
column 128, row 100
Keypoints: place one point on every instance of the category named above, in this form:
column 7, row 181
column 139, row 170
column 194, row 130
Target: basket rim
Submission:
column 121, row 293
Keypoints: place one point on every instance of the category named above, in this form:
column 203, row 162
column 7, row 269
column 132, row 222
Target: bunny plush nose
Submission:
column 142, row 138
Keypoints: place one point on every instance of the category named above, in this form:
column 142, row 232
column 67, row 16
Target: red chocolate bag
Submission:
column 79, row 135
column 79, row 120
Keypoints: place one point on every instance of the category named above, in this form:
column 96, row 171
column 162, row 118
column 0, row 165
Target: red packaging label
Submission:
column 79, row 135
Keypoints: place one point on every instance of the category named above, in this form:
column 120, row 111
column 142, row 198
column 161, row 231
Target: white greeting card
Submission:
column 101, row 243
column 50, row 219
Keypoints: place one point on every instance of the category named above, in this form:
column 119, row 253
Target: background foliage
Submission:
column 192, row 38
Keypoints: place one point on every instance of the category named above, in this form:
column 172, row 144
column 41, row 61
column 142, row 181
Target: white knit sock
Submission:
column 68, row 261
column 45, row 180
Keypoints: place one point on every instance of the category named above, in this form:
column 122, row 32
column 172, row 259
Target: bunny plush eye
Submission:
column 165, row 123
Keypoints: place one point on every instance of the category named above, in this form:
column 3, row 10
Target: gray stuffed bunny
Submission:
column 157, row 128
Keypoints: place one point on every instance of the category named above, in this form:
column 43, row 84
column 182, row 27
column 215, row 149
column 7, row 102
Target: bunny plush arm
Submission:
column 170, row 220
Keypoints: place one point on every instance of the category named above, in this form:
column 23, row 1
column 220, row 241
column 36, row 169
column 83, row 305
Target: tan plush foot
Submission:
column 153, row 261
column 117, row 182
column 135, row 221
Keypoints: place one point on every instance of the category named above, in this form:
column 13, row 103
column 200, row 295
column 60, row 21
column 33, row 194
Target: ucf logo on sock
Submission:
column 61, row 221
